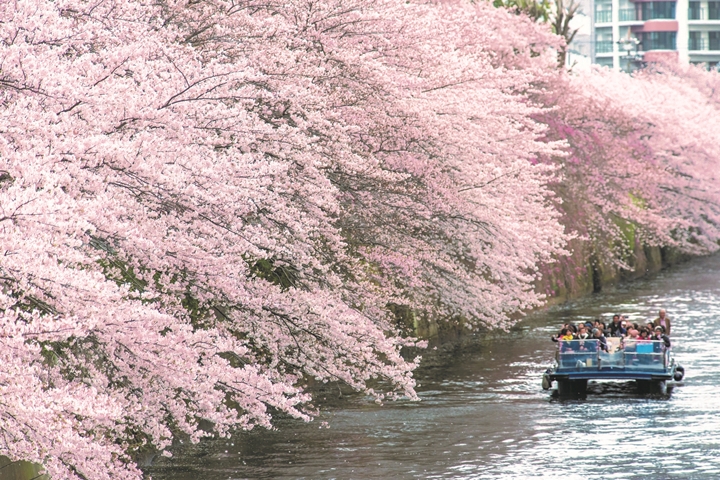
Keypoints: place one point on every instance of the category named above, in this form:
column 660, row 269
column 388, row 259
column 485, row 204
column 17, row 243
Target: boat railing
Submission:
column 621, row 354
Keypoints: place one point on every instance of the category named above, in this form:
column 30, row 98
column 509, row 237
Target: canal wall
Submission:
column 580, row 274
column 571, row 277
column 20, row 470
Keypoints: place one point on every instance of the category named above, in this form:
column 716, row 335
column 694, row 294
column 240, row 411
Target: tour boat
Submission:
column 648, row 362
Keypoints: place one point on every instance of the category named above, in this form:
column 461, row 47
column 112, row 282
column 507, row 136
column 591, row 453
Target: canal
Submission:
column 483, row 415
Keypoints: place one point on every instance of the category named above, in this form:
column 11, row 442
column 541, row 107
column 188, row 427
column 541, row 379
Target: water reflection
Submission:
column 486, row 417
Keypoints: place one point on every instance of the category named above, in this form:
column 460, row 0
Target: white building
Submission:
column 582, row 48
column 626, row 32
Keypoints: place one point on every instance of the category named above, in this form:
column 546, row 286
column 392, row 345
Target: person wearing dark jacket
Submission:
column 660, row 335
column 658, row 347
column 602, row 341
column 616, row 328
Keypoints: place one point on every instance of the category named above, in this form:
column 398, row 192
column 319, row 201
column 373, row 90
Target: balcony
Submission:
column 697, row 13
column 604, row 16
column 704, row 45
column 658, row 11
column 698, row 44
column 604, row 46
column 659, row 41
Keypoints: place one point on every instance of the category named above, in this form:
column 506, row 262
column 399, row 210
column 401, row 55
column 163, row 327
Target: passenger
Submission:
column 566, row 334
column 555, row 338
column 660, row 335
column 582, row 333
column 663, row 321
column 661, row 344
column 643, row 338
column 588, row 346
column 582, row 345
column 630, row 346
column 633, row 332
column 616, row 328
column 566, row 345
column 602, row 328
column 600, row 337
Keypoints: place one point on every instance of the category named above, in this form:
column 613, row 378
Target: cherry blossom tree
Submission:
column 203, row 205
column 641, row 164
column 206, row 205
column 681, row 119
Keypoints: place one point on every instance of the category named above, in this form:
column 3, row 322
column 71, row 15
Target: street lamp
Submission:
column 630, row 44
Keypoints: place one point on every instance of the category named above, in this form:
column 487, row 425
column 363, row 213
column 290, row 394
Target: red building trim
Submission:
column 661, row 56
column 657, row 26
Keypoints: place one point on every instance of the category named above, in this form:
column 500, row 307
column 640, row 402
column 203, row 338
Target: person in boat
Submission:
column 630, row 343
column 566, row 334
column 650, row 327
column 563, row 332
column 600, row 325
column 663, row 321
column 633, row 332
column 565, row 342
column 616, row 328
column 600, row 337
column 660, row 335
column 587, row 346
column 582, row 333
column 582, row 336
column 662, row 343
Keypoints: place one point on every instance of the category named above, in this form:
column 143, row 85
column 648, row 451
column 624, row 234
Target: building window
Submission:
column 658, row 41
column 695, row 12
column 627, row 14
column 696, row 41
column 713, row 10
column 656, row 10
column 604, row 46
column 603, row 11
column 603, row 16
column 604, row 62
column 603, row 40
column 714, row 41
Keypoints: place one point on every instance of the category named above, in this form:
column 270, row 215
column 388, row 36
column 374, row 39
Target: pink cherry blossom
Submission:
column 204, row 206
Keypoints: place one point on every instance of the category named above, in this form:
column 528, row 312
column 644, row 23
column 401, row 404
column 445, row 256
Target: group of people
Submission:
column 629, row 333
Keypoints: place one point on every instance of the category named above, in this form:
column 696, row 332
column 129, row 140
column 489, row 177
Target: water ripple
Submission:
column 485, row 417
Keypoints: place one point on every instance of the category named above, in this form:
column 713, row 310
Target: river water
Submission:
column 485, row 416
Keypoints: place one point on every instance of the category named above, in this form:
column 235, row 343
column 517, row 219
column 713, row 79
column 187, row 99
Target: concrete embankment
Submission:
column 10, row 470
column 571, row 277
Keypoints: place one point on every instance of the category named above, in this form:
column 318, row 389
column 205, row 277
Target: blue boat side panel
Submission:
column 623, row 360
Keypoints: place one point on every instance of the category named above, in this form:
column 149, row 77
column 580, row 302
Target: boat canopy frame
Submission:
column 628, row 359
